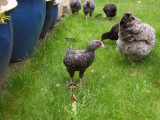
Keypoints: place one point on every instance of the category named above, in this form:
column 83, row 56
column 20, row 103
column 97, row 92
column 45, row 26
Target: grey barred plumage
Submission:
column 136, row 39
column 75, row 6
column 88, row 7
column 91, row 3
column 80, row 60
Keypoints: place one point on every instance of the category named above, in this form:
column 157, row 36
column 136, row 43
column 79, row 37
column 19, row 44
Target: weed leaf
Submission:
column 99, row 15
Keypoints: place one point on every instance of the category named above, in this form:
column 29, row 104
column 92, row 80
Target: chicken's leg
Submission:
column 73, row 13
column 79, row 83
column 90, row 15
column 109, row 18
column 77, row 13
column 71, row 75
column 80, row 75
column 131, row 61
column 86, row 17
column 70, row 82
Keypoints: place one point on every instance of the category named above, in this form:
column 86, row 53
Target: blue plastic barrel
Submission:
column 28, row 19
column 6, row 45
column 55, row 15
column 48, row 18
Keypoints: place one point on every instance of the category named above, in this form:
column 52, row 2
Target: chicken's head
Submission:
column 128, row 17
column 95, row 44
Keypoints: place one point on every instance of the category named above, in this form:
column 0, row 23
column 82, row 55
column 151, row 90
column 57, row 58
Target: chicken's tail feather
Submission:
column 68, row 50
column 125, row 20
column 75, row 3
column 89, row 3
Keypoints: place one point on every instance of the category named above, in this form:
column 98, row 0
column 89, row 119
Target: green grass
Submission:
column 126, row 92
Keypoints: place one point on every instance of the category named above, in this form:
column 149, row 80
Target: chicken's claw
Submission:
column 70, row 83
column 73, row 87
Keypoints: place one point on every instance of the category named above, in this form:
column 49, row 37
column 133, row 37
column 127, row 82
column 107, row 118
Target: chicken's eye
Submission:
column 97, row 44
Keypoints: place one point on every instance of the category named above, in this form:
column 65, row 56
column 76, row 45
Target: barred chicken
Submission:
column 75, row 6
column 80, row 60
column 88, row 7
column 136, row 39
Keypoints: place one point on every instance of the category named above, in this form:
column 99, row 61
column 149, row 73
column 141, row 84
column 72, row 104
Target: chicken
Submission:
column 75, row 6
column 136, row 39
column 80, row 60
column 88, row 7
column 112, row 34
column 110, row 10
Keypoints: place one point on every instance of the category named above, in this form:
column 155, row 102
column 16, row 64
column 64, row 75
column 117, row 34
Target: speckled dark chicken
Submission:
column 88, row 7
column 136, row 39
column 80, row 60
column 112, row 34
column 75, row 6
column 110, row 10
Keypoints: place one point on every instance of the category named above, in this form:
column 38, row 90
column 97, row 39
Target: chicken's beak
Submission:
column 102, row 45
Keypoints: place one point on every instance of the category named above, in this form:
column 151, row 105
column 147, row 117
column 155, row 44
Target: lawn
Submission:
column 116, row 90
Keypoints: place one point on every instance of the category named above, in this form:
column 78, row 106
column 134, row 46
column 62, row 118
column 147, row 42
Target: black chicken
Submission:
column 88, row 7
column 75, row 6
column 80, row 60
column 110, row 10
column 112, row 34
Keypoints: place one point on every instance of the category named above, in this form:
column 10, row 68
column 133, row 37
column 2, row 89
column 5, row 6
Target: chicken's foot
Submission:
column 109, row 18
column 77, row 13
column 131, row 61
column 70, row 83
column 79, row 83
